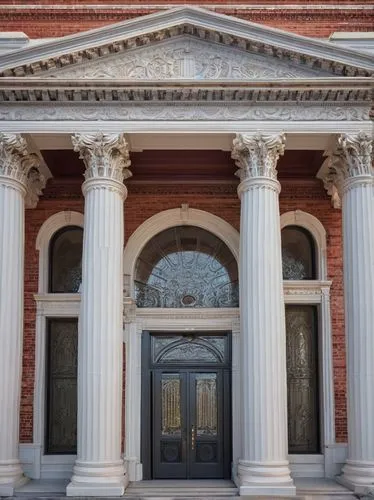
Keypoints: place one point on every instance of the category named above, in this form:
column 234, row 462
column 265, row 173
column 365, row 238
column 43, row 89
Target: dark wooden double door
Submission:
column 189, row 397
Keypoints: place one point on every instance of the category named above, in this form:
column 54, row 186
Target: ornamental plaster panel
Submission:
column 210, row 112
column 187, row 58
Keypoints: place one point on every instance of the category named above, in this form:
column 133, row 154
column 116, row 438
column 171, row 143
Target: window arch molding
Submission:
column 317, row 231
column 183, row 216
column 46, row 232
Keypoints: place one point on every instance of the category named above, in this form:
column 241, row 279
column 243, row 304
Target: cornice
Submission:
column 192, row 21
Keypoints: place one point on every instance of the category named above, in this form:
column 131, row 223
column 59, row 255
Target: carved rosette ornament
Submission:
column 20, row 169
column 105, row 156
column 348, row 165
column 257, row 157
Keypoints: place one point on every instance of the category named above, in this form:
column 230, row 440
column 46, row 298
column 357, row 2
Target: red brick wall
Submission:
column 145, row 201
column 73, row 16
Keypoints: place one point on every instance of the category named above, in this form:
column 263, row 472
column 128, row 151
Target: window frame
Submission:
column 50, row 306
column 316, row 292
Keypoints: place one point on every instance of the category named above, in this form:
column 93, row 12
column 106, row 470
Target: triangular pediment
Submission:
column 186, row 57
column 185, row 43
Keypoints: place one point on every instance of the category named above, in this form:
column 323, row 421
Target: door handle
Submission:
column 193, row 437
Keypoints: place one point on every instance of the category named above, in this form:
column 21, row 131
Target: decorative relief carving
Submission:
column 351, row 158
column 257, row 155
column 105, row 156
column 123, row 111
column 188, row 58
column 17, row 163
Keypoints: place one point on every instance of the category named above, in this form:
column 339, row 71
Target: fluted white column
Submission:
column 263, row 468
column 99, row 468
column 15, row 166
column 354, row 177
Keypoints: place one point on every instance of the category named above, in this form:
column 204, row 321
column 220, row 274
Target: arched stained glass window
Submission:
column 298, row 254
column 65, row 258
column 185, row 267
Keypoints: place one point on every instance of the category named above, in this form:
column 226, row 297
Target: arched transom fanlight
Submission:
column 184, row 267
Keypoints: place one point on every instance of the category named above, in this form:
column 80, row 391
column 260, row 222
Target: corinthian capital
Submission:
column 18, row 164
column 257, row 155
column 104, row 155
column 357, row 152
column 350, row 161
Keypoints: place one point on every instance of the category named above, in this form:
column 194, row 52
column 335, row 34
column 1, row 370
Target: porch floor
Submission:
column 306, row 489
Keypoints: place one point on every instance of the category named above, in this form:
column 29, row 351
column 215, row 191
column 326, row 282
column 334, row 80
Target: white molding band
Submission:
column 170, row 126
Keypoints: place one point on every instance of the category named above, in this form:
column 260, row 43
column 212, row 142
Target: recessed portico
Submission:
column 143, row 87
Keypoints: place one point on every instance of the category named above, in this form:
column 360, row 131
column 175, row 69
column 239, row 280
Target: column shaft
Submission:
column 12, row 209
column 19, row 174
column 99, row 468
column 264, row 468
column 358, row 234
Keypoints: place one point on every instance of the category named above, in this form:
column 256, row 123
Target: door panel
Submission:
column 169, row 428
column 188, row 424
column 206, row 419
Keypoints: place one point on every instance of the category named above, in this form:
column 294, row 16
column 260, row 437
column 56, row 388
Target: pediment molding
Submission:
column 286, row 49
column 189, row 57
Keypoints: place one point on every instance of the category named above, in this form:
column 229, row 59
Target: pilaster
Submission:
column 17, row 165
column 263, row 468
column 353, row 176
column 99, row 468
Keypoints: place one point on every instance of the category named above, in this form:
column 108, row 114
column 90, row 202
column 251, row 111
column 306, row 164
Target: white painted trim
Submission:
column 47, row 230
column 185, row 127
column 176, row 217
column 316, row 229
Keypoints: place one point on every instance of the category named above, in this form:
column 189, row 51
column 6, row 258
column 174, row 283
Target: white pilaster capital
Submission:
column 257, row 155
column 347, row 165
column 106, row 157
column 20, row 168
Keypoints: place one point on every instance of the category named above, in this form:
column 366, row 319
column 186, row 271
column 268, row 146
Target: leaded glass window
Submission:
column 65, row 254
column 186, row 267
column 61, row 391
column 302, row 379
column 298, row 254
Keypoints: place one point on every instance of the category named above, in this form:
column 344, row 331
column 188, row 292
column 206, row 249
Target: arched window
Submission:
column 186, row 266
column 60, row 245
column 298, row 254
column 299, row 263
column 65, row 260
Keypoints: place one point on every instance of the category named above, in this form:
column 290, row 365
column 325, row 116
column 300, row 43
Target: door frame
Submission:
column 170, row 320
column 147, row 398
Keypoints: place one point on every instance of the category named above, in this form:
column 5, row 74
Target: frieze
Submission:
column 183, row 112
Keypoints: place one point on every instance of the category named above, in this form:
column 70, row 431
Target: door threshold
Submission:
column 189, row 488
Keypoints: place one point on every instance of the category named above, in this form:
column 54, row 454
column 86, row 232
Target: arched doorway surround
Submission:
column 224, row 319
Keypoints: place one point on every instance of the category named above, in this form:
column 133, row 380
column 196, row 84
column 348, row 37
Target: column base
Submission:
column 265, row 478
column 11, row 477
column 97, row 479
column 358, row 476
